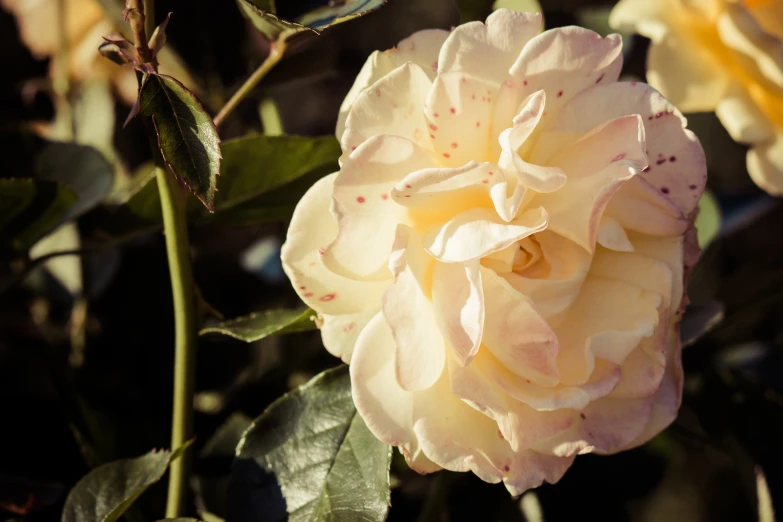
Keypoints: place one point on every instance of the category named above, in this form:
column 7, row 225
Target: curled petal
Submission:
column 367, row 220
column 421, row 354
column 458, row 301
column 312, row 227
column 421, row 48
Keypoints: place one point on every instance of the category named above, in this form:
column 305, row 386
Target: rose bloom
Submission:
column 724, row 56
column 501, row 256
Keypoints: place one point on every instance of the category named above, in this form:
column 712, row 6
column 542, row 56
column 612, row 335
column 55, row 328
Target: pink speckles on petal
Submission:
column 384, row 197
column 618, row 157
column 453, row 110
column 446, row 155
column 407, row 186
column 509, row 83
column 559, row 94
column 673, row 159
column 353, row 148
column 308, row 294
column 633, row 84
column 302, row 288
column 327, row 297
column 506, row 468
column 454, row 145
column 378, row 93
column 349, row 327
column 600, row 78
column 433, row 126
column 435, row 115
column 360, row 199
column 435, row 66
column 322, row 251
column 491, row 173
column 664, row 190
column 485, row 181
column 524, row 83
column 478, row 124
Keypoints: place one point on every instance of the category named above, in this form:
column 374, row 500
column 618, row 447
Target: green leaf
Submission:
column 256, row 185
column 326, row 463
column 256, row 326
column 29, row 209
column 523, row 6
column 106, row 492
column 187, row 138
column 263, row 15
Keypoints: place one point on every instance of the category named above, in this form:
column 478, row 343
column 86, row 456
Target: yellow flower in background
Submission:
column 85, row 23
column 724, row 56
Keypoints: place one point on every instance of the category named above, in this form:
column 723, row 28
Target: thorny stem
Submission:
column 275, row 55
column 177, row 249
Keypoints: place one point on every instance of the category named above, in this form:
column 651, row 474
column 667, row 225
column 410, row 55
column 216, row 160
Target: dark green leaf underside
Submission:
column 29, row 209
column 105, row 493
column 187, row 138
column 327, row 464
column 256, row 326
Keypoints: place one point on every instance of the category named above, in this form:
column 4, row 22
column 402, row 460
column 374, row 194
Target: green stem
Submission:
column 175, row 227
column 276, row 52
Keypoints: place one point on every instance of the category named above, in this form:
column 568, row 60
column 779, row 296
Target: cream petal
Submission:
column 667, row 250
column 608, row 320
column 677, row 164
column 383, row 404
column 392, row 105
column 311, row 228
column 458, row 301
column 487, row 51
column 516, row 334
column 642, row 16
column 421, row 48
column 458, row 113
column 641, row 207
column 666, row 402
column 459, row 438
column 611, row 235
column 562, row 62
column 742, row 118
column 535, row 177
column 695, row 81
column 760, row 53
column 421, row 354
column 479, row 232
column 367, row 217
column 765, row 165
column 597, row 166
column 340, row 332
column 606, row 426
column 488, row 374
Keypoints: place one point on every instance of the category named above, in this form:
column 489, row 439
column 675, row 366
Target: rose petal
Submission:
column 392, row 105
column 486, row 51
column 421, row 353
column 516, row 334
column 340, row 332
column 597, row 166
column 605, row 322
column 562, row 62
column 421, row 48
column 366, row 220
column 760, row 53
column 458, row 301
column 479, row 232
column 677, row 165
column 382, row 403
column 765, row 165
column 311, row 228
column 535, row 177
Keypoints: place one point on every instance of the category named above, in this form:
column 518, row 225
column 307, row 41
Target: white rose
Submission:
column 501, row 255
